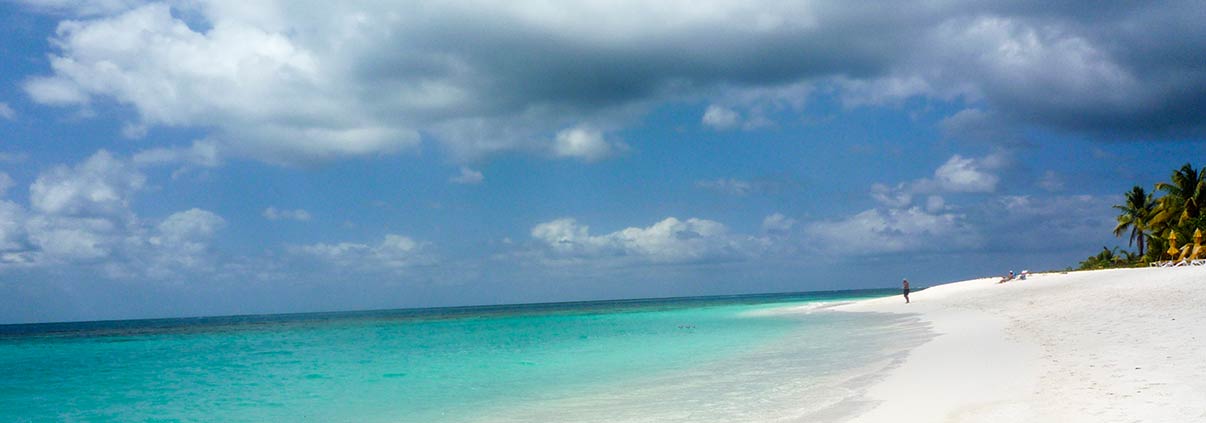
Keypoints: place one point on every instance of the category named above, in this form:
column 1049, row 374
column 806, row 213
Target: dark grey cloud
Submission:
column 288, row 82
column 1115, row 68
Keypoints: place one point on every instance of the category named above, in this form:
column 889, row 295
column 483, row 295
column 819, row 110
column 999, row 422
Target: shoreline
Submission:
column 1107, row 345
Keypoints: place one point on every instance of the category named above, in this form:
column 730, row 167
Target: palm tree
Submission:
column 1102, row 260
column 1136, row 211
column 1183, row 197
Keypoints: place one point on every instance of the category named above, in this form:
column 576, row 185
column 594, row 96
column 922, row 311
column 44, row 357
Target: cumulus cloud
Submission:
column 80, row 217
column 467, row 177
column 721, row 118
column 81, row 213
column 393, row 253
column 182, row 240
column 272, row 213
column 67, row 239
column 965, row 174
column 101, row 185
column 266, row 95
column 668, row 241
column 879, row 231
column 585, row 143
column 778, row 223
column 957, row 175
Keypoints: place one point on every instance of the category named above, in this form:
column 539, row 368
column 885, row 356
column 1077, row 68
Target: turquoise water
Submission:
column 689, row 359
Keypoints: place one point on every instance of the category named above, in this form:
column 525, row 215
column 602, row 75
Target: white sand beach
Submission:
column 1124, row 345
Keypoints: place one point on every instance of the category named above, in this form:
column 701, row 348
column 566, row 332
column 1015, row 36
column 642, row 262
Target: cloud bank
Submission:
column 80, row 217
column 287, row 82
column 669, row 241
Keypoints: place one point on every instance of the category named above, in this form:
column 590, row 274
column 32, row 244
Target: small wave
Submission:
column 795, row 309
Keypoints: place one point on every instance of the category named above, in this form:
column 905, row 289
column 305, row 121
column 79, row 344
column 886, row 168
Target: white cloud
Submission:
column 668, row 241
column 887, row 90
column 101, row 185
column 960, row 174
column 957, row 175
column 182, row 240
column 201, row 153
column 7, row 112
column 935, row 204
column 189, row 224
column 1051, row 182
column 272, row 213
column 727, row 186
column 80, row 214
column 879, row 231
column 777, row 223
column 721, row 118
column 585, row 143
column 467, row 177
column 55, row 91
column 12, row 228
column 394, row 252
column 751, row 107
column 80, row 218
column 268, row 96
column 59, row 239
column 901, row 196
column 6, row 182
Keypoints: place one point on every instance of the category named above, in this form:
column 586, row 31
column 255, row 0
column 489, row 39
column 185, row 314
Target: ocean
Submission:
column 756, row 358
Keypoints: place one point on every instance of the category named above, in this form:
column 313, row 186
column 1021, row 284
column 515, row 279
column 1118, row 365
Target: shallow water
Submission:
column 686, row 359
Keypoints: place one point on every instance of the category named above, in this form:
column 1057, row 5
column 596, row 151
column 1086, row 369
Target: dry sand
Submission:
column 1123, row 345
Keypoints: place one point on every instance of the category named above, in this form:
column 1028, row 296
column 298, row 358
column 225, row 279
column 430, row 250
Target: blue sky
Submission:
column 215, row 157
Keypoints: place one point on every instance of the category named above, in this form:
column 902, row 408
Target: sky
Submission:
column 198, row 157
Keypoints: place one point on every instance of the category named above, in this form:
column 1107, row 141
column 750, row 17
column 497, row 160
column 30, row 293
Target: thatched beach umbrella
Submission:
column 1196, row 252
column 1172, row 245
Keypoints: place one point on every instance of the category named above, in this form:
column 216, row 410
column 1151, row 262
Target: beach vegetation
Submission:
column 1154, row 221
column 1136, row 212
column 1107, row 258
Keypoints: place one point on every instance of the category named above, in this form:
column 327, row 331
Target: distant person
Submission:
column 905, row 288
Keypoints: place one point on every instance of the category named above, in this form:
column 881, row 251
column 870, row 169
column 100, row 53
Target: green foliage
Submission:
column 1149, row 221
column 1136, row 211
column 1110, row 258
column 1183, row 195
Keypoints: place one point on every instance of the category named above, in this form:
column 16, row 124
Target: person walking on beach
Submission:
column 905, row 286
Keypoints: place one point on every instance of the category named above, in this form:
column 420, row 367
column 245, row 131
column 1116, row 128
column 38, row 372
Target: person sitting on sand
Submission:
column 1007, row 278
column 905, row 286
